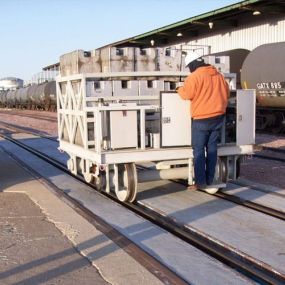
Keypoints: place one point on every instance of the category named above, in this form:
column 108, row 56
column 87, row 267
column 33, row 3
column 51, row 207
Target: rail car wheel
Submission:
column 97, row 181
column 126, row 182
column 223, row 169
column 221, row 174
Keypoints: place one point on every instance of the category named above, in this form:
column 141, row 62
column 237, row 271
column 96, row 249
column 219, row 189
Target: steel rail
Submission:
column 269, row 157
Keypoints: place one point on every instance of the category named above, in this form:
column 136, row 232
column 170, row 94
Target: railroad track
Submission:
column 241, row 262
column 249, row 204
column 240, row 201
column 33, row 116
column 12, row 128
column 246, row 264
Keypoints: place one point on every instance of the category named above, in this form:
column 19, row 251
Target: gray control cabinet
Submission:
column 175, row 120
column 246, row 117
column 123, row 129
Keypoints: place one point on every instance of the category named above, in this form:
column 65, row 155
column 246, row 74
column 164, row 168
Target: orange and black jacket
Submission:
column 208, row 91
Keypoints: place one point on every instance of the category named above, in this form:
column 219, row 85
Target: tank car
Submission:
column 32, row 97
column 49, row 96
column 264, row 70
column 21, row 98
column 10, row 99
column 42, row 96
column 37, row 96
column 3, row 99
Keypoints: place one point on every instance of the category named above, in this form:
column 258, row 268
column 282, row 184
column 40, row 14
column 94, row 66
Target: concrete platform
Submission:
column 34, row 248
column 33, row 251
column 194, row 266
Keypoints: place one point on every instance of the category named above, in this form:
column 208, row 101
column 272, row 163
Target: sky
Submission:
column 35, row 33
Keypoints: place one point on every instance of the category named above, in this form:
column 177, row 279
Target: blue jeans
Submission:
column 205, row 137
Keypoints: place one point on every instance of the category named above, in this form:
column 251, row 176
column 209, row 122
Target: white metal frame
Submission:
column 74, row 116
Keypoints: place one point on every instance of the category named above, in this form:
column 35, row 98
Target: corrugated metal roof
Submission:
column 199, row 17
column 54, row 66
column 196, row 25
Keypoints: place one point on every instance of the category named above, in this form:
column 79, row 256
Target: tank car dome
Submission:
column 8, row 83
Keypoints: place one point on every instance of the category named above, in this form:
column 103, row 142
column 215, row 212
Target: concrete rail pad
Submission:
column 187, row 261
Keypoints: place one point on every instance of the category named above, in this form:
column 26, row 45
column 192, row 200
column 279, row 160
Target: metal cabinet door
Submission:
column 245, row 117
column 175, row 120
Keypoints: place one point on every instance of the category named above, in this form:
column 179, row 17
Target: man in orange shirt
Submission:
column 208, row 92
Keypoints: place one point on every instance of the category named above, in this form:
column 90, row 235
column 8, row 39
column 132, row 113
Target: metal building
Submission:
column 244, row 25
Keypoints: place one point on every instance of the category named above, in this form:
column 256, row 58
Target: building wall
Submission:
column 245, row 36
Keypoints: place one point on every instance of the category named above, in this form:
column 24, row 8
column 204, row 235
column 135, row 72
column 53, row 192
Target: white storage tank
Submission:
column 11, row 83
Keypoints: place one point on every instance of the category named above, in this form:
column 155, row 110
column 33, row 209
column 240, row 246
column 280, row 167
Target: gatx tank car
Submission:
column 37, row 96
column 264, row 70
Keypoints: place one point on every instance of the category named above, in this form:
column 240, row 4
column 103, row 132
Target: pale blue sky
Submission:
column 34, row 33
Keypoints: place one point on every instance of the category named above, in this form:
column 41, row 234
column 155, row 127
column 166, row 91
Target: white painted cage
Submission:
column 107, row 136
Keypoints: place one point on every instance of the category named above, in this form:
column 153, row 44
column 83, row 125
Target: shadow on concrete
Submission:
column 62, row 269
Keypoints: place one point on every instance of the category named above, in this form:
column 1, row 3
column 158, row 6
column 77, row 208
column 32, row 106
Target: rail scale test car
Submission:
column 112, row 123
